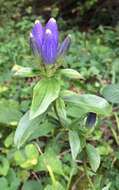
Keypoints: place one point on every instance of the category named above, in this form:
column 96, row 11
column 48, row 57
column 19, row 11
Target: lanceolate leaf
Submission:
column 24, row 71
column 25, row 129
column 111, row 93
column 70, row 73
column 60, row 105
column 90, row 103
column 93, row 157
column 74, row 143
column 45, row 92
column 61, row 108
column 30, row 129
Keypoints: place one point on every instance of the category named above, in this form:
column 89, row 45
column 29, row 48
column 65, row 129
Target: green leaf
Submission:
column 104, row 149
column 32, row 155
column 51, row 158
column 22, row 174
column 24, row 106
column 93, row 157
column 76, row 112
column 13, row 180
column 74, row 143
column 45, row 92
column 4, row 166
column 9, row 140
column 107, row 186
column 24, row 71
column 9, row 109
column 25, row 129
column 29, row 158
column 111, row 93
column 31, row 129
column 42, row 130
column 4, row 183
column 61, row 108
column 31, row 152
column 67, row 93
column 117, row 181
column 90, row 103
column 19, row 157
column 59, row 186
column 32, row 185
column 60, row 105
column 70, row 73
column 51, row 187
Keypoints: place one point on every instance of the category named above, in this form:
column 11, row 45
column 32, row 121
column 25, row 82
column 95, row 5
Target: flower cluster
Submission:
column 44, row 42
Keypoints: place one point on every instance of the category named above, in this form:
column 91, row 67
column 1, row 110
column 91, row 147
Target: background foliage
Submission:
column 94, row 52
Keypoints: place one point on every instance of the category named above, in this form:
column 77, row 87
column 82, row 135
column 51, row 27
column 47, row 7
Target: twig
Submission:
column 48, row 166
column 63, row 153
column 115, row 108
column 79, row 161
column 35, row 176
column 38, row 148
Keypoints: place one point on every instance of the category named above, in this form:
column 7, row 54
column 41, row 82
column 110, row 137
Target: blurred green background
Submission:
column 94, row 52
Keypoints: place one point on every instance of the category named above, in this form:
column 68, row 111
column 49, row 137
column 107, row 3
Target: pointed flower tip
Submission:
column 69, row 35
column 37, row 21
column 64, row 46
column 48, row 31
column 52, row 20
column 31, row 35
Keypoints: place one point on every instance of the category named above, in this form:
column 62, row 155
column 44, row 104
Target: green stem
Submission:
column 117, row 120
column 70, row 178
column 87, row 175
column 115, row 135
column 56, row 112
column 51, row 175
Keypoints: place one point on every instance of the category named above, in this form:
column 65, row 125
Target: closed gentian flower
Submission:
column 34, row 46
column 49, row 47
column 38, row 33
column 51, row 25
column 44, row 42
column 64, row 46
column 91, row 119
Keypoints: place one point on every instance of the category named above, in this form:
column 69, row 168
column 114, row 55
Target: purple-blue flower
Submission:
column 91, row 119
column 44, row 42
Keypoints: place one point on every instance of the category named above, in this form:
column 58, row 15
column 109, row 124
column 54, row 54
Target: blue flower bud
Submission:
column 33, row 46
column 52, row 25
column 49, row 48
column 44, row 42
column 38, row 33
column 64, row 46
column 91, row 119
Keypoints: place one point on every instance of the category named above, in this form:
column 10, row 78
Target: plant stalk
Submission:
column 70, row 178
column 87, row 175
